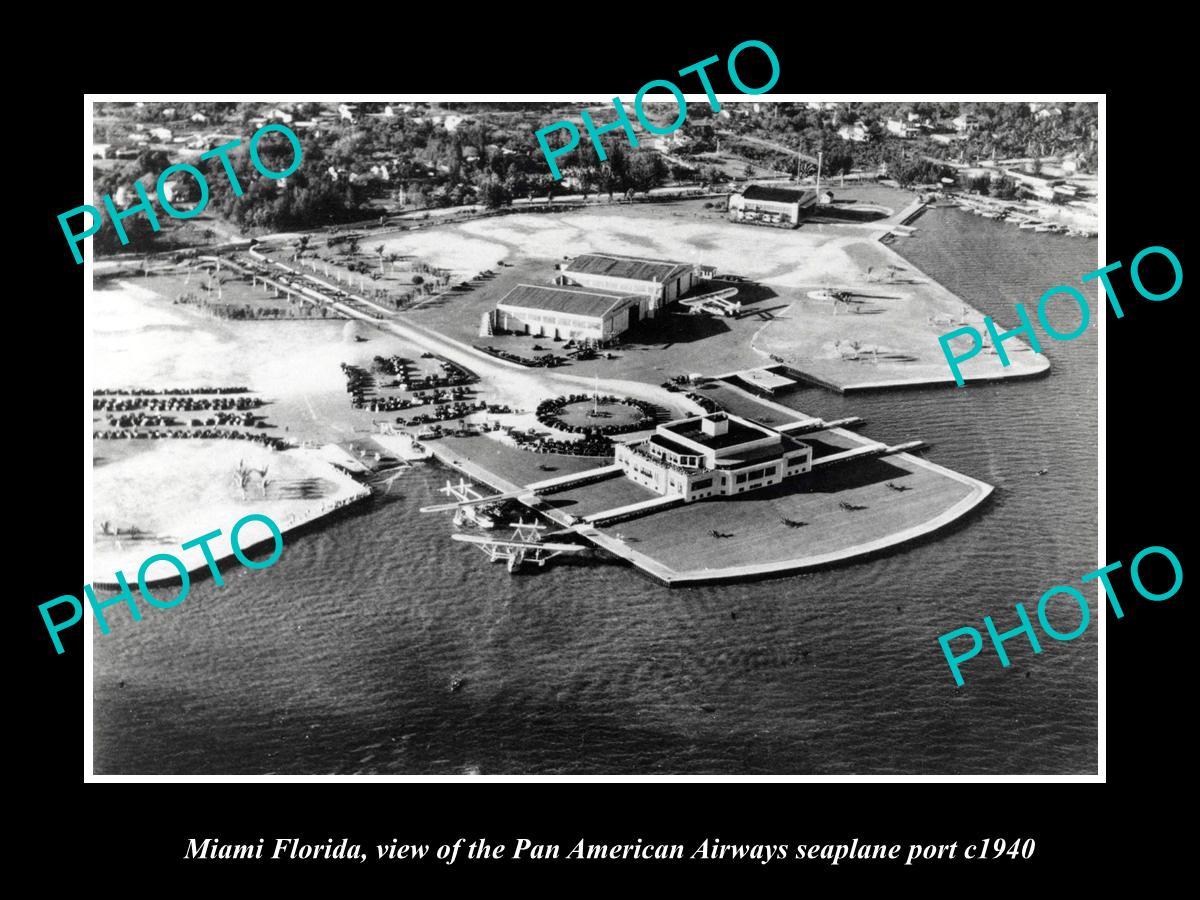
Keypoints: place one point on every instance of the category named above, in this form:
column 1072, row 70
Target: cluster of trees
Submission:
column 1003, row 188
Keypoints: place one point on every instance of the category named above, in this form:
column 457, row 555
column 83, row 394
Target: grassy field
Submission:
column 519, row 467
column 599, row 496
column 682, row 539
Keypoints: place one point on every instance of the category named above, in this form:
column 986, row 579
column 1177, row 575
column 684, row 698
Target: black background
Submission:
column 1079, row 828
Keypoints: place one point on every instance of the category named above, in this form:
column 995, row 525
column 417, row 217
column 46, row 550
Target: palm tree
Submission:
column 379, row 252
column 392, row 257
column 241, row 477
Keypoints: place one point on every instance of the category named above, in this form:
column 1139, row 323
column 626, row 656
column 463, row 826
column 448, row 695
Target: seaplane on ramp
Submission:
column 525, row 545
column 469, row 505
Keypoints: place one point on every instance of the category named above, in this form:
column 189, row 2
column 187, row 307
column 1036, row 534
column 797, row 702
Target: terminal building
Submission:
column 565, row 313
column 657, row 282
column 777, row 206
column 715, row 455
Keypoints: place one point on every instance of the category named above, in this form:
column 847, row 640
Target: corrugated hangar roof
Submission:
column 574, row 301
column 659, row 270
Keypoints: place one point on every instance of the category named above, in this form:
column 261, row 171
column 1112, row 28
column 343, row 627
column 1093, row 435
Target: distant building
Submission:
column 857, row 132
column 199, row 118
column 778, row 206
column 903, row 129
column 566, row 313
column 161, row 134
column 713, row 455
column 656, row 282
column 964, row 123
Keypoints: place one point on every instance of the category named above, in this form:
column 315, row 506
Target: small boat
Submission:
column 1030, row 224
column 457, row 683
column 1044, row 226
column 1042, row 471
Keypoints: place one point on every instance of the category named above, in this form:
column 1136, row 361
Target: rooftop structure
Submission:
column 713, row 455
column 657, row 281
column 565, row 312
column 765, row 205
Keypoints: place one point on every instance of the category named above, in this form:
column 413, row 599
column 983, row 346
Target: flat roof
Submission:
column 761, row 454
column 667, row 444
column 738, row 433
column 765, row 379
column 632, row 267
column 570, row 300
column 778, row 194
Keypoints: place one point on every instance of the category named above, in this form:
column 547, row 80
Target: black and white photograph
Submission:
column 451, row 437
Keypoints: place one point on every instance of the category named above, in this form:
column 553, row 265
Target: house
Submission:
column 902, row 129
column 161, row 134
column 768, row 205
column 964, row 123
column 717, row 454
column 346, row 112
column 281, row 116
column 857, row 132
column 199, row 118
column 656, row 282
column 565, row 313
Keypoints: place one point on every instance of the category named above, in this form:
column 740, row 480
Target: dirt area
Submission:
column 884, row 330
column 295, row 365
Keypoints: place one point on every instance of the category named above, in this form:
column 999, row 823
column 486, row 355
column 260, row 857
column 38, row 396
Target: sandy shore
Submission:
column 175, row 491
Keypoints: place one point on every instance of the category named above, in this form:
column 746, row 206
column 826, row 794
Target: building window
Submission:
column 701, row 484
column 769, row 472
column 741, row 479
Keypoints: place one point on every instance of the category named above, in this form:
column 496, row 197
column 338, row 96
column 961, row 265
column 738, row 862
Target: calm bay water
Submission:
column 339, row 658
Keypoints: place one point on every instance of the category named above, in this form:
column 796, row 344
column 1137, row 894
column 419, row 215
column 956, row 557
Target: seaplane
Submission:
column 898, row 487
column 793, row 523
column 850, row 507
column 470, row 506
column 715, row 303
column 524, row 546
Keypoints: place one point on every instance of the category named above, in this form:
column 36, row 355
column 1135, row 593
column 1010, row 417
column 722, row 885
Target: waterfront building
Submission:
column 763, row 205
column 713, row 455
column 566, row 313
column 656, row 282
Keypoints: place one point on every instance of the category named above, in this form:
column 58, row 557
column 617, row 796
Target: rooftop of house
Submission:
column 570, row 300
column 627, row 267
column 778, row 194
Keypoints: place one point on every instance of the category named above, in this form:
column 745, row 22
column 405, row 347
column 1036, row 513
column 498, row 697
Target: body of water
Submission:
column 339, row 659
